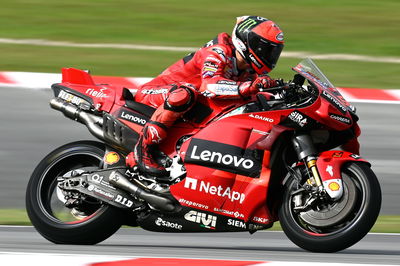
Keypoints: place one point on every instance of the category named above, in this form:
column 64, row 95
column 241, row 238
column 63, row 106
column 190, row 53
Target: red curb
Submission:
column 370, row 94
column 176, row 262
column 44, row 80
column 4, row 79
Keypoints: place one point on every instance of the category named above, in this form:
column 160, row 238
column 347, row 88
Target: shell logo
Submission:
column 111, row 158
column 334, row 186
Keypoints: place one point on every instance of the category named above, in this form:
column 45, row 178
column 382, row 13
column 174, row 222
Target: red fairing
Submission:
column 240, row 187
column 329, row 163
column 102, row 95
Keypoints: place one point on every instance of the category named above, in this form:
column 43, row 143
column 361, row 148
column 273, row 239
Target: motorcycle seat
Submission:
column 136, row 106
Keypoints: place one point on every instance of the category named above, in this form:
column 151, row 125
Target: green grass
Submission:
column 134, row 63
column 366, row 27
column 385, row 223
column 352, row 26
column 14, row 217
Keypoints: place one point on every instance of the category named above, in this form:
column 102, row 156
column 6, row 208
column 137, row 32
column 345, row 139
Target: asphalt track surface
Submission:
column 30, row 129
column 261, row 246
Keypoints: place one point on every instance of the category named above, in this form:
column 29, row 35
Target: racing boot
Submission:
column 147, row 155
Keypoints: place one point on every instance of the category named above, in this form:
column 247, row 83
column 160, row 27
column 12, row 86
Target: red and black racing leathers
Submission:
column 211, row 71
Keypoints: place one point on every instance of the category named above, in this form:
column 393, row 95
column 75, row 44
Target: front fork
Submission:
column 306, row 152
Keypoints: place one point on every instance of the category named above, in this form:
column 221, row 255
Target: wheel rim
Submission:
column 49, row 198
column 338, row 216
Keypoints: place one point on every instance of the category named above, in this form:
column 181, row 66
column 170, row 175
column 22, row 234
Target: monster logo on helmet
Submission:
column 259, row 41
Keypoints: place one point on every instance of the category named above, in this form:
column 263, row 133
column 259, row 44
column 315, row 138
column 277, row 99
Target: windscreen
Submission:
column 308, row 69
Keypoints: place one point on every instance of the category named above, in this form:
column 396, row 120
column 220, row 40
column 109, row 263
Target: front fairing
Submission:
column 334, row 111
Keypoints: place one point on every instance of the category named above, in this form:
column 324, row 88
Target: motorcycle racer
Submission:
column 227, row 67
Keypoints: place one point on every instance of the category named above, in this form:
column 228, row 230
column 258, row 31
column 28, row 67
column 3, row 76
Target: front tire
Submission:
column 339, row 226
column 92, row 222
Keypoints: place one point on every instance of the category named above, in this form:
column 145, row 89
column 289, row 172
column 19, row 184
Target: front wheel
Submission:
column 333, row 226
column 89, row 222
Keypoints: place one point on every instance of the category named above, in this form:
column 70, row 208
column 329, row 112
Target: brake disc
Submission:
column 336, row 212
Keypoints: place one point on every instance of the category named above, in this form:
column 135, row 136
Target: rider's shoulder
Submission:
column 221, row 46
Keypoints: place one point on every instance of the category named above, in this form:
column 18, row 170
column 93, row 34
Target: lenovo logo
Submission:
column 217, row 157
column 224, row 157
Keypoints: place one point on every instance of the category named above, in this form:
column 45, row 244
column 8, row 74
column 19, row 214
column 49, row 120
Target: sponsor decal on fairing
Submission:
column 111, row 158
column 163, row 223
column 298, row 118
column 329, row 170
column 355, row 156
column 193, row 204
column 267, row 119
column 236, row 223
column 71, row 98
column 340, row 118
column 338, row 154
column 334, row 101
column 261, row 220
column 334, row 188
column 224, row 157
column 205, row 220
column 133, row 117
column 236, row 214
column 219, row 191
column 97, row 94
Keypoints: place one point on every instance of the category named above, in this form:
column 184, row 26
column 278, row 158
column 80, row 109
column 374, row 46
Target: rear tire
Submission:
column 48, row 214
column 345, row 229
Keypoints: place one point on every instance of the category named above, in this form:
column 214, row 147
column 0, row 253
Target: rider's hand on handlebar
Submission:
column 261, row 82
column 264, row 82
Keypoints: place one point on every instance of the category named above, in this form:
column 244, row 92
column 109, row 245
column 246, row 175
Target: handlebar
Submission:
column 293, row 93
column 283, row 87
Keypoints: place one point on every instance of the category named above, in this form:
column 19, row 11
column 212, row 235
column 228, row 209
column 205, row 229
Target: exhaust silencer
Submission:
column 137, row 189
column 73, row 112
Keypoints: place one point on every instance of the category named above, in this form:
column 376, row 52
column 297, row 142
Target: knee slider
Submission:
column 180, row 99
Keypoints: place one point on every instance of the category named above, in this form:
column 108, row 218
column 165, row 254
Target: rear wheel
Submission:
column 88, row 222
column 333, row 226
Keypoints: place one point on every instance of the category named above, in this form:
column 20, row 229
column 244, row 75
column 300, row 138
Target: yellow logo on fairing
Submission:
column 111, row 158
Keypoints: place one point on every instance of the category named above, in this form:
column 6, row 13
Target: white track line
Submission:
column 346, row 57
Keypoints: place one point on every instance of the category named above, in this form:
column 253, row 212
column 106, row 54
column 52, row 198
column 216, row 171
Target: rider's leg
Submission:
column 178, row 101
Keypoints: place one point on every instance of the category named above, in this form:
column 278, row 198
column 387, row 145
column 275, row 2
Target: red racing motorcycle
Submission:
column 233, row 166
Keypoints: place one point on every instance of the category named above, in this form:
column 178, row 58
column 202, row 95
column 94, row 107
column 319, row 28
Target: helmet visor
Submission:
column 268, row 52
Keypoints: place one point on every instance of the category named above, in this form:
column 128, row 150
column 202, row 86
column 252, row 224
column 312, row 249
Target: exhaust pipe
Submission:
column 139, row 190
column 94, row 123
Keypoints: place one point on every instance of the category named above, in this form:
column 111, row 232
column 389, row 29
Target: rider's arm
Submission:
column 214, row 84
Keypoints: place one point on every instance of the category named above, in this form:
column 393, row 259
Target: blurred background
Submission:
column 30, row 129
column 364, row 27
